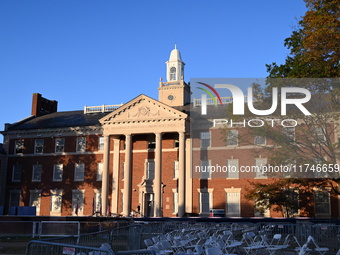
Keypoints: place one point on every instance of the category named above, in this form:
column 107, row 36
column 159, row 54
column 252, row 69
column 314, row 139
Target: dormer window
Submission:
column 172, row 73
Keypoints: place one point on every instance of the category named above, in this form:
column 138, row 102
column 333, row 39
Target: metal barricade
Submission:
column 272, row 228
column 59, row 228
column 18, row 228
column 138, row 252
column 126, row 238
column 91, row 239
column 50, row 248
column 326, row 235
column 94, row 239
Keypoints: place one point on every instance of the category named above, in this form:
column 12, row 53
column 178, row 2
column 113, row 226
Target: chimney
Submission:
column 41, row 105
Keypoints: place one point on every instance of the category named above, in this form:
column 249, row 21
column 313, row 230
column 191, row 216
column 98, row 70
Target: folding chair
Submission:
column 321, row 250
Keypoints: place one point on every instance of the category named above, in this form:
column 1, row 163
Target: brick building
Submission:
column 113, row 159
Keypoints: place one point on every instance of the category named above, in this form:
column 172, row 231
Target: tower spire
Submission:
column 175, row 66
column 174, row 92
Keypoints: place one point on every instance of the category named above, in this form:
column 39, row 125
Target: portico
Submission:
column 140, row 116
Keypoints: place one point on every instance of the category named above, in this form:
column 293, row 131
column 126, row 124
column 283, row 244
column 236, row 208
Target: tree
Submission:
column 283, row 196
column 314, row 45
column 314, row 53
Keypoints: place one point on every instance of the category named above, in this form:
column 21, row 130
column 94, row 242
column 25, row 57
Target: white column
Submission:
column 127, row 176
column 181, row 177
column 115, row 177
column 188, row 176
column 158, row 177
column 105, row 176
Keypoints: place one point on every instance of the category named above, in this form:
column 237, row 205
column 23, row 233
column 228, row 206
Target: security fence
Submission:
column 45, row 228
column 131, row 237
column 51, row 248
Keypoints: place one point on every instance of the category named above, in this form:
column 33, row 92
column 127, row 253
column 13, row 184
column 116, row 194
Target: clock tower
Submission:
column 174, row 92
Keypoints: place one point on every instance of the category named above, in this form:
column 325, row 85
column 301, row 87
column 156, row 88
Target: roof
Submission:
column 79, row 119
column 175, row 55
column 58, row 120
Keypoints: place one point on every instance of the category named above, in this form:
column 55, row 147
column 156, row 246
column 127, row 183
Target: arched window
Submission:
column 172, row 73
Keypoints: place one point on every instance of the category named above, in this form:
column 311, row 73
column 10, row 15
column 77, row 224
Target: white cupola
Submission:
column 175, row 66
column 174, row 92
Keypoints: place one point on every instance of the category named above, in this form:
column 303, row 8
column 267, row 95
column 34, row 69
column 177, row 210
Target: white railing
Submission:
column 210, row 101
column 101, row 108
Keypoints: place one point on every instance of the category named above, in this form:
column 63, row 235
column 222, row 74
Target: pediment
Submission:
column 142, row 109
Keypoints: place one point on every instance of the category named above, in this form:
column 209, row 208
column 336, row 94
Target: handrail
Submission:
column 101, row 108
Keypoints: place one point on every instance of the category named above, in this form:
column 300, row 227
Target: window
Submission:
column 232, row 172
column 39, row 146
column 77, row 202
column 205, row 139
column 176, row 169
column 19, row 147
column 36, row 173
column 98, row 201
column 320, row 133
column 56, row 200
column 175, row 201
column 59, row 145
column 233, row 202
column 172, row 73
column 322, row 202
column 57, row 172
column 289, row 132
column 14, row 199
column 259, row 163
column 16, row 175
column 35, row 198
column 99, row 171
column 293, row 196
column 150, row 169
column 205, row 169
column 205, row 202
column 81, row 144
column 232, row 138
column 259, row 140
column 79, row 171
column 176, row 144
column 101, row 143
column 289, row 164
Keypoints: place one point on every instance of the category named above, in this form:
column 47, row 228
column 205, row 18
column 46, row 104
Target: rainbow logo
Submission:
column 211, row 94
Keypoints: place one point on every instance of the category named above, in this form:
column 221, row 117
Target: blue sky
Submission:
column 86, row 52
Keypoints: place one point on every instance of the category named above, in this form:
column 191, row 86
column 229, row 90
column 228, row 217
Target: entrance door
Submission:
column 148, row 206
column 233, row 208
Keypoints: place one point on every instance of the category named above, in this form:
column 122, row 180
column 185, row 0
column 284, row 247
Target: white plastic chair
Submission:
column 304, row 249
column 274, row 245
column 299, row 246
column 254, row 244
column 155, row 239
column 148, row 242
column 213, row 251
column 338, row 253
column 165, row 246
column 156, row 249
column 321, row 250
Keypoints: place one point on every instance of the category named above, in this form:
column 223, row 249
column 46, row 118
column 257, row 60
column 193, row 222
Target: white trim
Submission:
column 200, row 192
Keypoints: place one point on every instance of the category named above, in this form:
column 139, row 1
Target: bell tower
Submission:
column 174, row 92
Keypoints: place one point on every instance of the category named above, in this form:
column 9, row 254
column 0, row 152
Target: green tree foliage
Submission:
column 315, row 45
column 314, row 53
